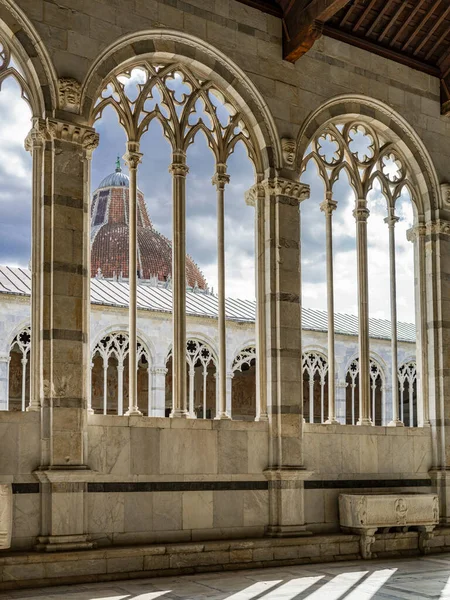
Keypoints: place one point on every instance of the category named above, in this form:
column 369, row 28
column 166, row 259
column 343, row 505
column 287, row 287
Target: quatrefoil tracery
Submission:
column 183, row 103
column 368, row 159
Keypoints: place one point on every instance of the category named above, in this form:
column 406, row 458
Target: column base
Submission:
column 396, row 423
column 263, row 417
column 332, row 421
column 133, row 413
column 222, row 417
column 179, row 414
column 364, row 422
column 63, row 543
column 281, row 531
column 90, row 411
column 32, row 408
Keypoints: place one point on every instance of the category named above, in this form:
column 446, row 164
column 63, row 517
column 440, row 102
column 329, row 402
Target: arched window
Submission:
column 201, row 368
column 365, row 179
column 110, row 372
column 243, row 391
column 19, row 370
column 377, row 394
column 184, row 104
column 407, row 386
column 315, row 386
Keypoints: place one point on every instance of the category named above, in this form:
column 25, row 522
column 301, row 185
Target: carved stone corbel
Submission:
column 69, row 92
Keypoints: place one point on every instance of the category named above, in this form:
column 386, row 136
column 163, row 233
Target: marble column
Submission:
column 132, row 158
column 179, row 170
column 24, row 363
column 229, row 405
column 391, row 220
column 105, row 385
column 63, row 278
column 191, row 392
column 328, row 207
column 220, row 179
column 417, row 235
column 120, row 369
column 256, row 196
column 34, row 143
column 286, row 472
column 361, row 214
column 159, row 391
column 4, row 381
column 341, row 402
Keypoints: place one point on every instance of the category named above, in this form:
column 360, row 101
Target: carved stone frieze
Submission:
column 438, row 227
column 293, row 190
column 69, row 91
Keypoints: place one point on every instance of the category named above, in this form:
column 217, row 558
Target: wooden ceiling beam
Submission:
column 380, row 16
column 366, row 12
column 385, row 31
column 407, row 22
column 303, row 25
column 432, row 31
column 416, row 32
column 438, row 43
column 370, row 46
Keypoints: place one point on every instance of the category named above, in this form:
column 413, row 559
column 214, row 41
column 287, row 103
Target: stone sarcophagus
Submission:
column 366, row 513
column 5, row 515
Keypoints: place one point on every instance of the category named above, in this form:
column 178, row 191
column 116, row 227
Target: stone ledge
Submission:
column 22, row 570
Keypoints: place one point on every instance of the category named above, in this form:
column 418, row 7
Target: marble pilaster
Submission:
column 286, row 473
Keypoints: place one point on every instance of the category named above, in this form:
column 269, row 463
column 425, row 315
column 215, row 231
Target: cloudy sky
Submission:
column 155, row 182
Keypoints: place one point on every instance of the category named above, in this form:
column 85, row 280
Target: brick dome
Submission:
column 109, row 237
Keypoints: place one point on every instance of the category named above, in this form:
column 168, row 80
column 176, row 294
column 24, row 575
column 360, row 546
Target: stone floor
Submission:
column 427, row 577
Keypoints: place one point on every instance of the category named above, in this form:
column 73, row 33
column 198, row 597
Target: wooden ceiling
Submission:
column 412, row 32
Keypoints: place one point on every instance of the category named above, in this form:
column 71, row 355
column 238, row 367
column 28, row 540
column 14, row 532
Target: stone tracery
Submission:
column 184, row 104
column 370, row 158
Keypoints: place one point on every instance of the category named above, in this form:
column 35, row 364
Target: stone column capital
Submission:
column 328, row 206
column 221, row 177
column 361, row 213
column 391, row 220
column 133, row 157
column 159, row 371
column 74, row 133
column 252, row 194
column 37, row 135
column 179, row 167
column 230, row 375
column 295, row 191
column 414, row 233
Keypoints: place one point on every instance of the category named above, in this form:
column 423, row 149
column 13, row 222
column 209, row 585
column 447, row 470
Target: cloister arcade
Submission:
column 159, row 414
column 109, row 381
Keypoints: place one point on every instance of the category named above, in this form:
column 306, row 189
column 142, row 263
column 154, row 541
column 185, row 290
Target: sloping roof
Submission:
column 17, row 281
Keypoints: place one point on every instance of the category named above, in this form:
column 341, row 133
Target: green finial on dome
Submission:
column 118, row 167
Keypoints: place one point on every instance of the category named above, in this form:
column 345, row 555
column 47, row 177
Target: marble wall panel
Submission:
column 105, row 512
column 228, row 509
column 167, row 511
column 197, row 510
column 144, row 450
column 138, row 511
column 232, row 452
column 188, row 451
